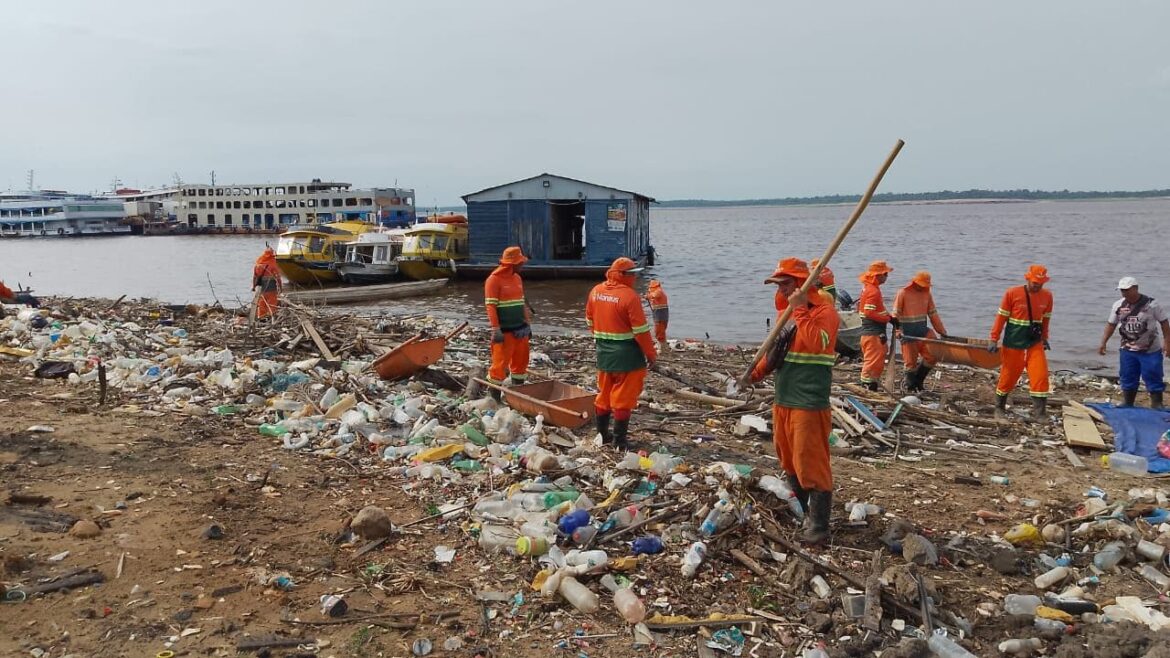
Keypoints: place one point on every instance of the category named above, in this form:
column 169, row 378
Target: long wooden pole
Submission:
column 814, row 276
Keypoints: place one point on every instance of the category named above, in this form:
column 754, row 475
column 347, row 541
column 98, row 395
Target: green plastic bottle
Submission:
column 554, row 498
column 467, row 465
column 268, row 429
column 475, row 436
column 226, row 410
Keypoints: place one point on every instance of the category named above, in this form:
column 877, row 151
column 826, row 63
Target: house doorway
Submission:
column 568, row 229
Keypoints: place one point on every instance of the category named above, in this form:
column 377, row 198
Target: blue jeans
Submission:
column 1147, row 365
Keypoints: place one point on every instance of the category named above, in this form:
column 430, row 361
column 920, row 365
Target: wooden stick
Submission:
column 307, row 325
column 707, row 399
column 872, row 618
column 528, row 398
column 815, row 275
column 91, row 578
column 746, row 561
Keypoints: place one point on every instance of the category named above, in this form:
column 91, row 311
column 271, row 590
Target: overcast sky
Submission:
column 670, row 98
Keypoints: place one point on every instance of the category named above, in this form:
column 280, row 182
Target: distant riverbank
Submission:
column 946, row 196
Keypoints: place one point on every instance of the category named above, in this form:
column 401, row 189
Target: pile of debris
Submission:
column 694, row 532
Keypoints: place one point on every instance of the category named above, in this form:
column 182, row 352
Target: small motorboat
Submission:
column 372, row 257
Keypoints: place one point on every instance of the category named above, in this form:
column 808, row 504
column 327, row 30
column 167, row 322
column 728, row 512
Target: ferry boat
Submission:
column 434, row 248
column 53, row 213
column 309, row 254
column 260, row 207
column 372, row 257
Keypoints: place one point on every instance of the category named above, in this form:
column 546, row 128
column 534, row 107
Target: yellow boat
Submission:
column 308, row 254
column 433, row 248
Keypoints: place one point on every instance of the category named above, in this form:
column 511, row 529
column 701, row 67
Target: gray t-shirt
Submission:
column 1139, row 331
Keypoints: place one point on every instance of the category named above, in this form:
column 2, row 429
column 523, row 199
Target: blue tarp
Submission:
column 1136, row 431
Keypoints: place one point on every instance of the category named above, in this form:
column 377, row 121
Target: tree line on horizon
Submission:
column 945, row 195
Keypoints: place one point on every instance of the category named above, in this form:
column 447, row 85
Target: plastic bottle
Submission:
column 648, row 545
column 1021, row 604
column 1128, row 464
column 573, row 520
column 539, row 460
column 341, row 406
column 578, row 595
column 620, row 518
column 1050, row 628
column 594, row 560
column 945, row 647
column 329, row 398
column 554, row 498
column 628, row 605
column 1000, row 479
column 693, row 558
column 582, row 535
column 717, row 518
column 1021, row 646
column 531, row 546
column 268, row 429
column 1051, row 577
column 781, row 490
column 1159, row 579
column 494, row 538
column 473, row 435
column 467, row 465
column 1108, row 557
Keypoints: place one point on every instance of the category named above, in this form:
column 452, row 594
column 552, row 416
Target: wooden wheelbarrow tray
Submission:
column 960, row 350
column 561, row 404
column 413, row 355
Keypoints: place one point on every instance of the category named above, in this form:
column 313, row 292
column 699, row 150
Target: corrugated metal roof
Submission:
column 566, row 178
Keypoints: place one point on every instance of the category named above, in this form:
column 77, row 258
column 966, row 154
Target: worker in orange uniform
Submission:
column 803, row 358
column 624, row 349
column 874, row 319
column 266, row 277
column 914, row 308
column 6, row 294
column 659, row 310
column 1025, row 311
column 828, row 282
column 503, row 296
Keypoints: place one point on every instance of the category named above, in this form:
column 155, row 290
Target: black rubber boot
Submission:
column 496, row 394
column 911, row 381
column 1039, row 408
column 1000, row 406
column 603, row 427
column 873, row 386
column 1156, row 400
column 920, row 376
column 801, row 493
column 820, row 506
column 621, row 429
column 1128, row 398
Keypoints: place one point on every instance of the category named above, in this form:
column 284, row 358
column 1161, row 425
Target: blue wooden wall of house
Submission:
column 495, row 225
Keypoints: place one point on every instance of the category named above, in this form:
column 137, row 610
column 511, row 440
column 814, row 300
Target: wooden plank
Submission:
column 1072, row 457
column 1092, row 413
column 307, row 325
column 1080, row 430
column 847, row 423
column 866, row 413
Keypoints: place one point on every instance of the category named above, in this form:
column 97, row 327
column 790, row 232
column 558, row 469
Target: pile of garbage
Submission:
column 659, row 536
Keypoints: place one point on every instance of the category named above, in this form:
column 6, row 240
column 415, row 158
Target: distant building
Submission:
column 273, row 205
column 566, row 227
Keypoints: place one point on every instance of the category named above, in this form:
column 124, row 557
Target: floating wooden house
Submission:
column 568, row 228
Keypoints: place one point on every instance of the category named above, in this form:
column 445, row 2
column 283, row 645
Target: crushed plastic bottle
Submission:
column 693, row 558
column 945, row 647
column 647, row 545
column 268, row 429
column 781, row 490
column 718, row 518
column 1021, row 646
column 1110, row 556
column 1021, row 604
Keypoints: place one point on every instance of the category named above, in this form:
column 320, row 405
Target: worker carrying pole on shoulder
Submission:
column 659, row 310
column 874, row 319
column 266, row 277
column 624, row 349
column 914, row 308
column 1023, row 319
column 508, row 315
column 828, row 281
column 802, row 358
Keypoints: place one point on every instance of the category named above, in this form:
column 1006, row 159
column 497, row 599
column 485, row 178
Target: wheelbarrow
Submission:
column 960, row 350
column 413, row 355
column 561, row 404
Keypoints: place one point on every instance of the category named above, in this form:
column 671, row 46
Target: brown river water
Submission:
column 712, row 262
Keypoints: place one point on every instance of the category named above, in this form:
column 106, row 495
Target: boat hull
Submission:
column 364, row 294
column 422, row 270
column 303, row 273
column 367, row 274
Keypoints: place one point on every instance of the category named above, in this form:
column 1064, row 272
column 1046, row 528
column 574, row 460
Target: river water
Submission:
column 712, row 262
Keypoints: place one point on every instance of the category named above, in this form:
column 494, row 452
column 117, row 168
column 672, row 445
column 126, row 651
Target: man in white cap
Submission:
column 1137, row 318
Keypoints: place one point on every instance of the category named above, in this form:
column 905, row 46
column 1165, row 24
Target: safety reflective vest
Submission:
column 503, row 296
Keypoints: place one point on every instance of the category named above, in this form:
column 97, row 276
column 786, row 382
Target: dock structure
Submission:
column 568, row 228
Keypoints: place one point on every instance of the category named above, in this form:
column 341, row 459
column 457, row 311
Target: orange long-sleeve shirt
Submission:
column 614, row 314
column 6, row 292
column 805, row 380
column 873, row 310
column 503, row 297
column 914, row 307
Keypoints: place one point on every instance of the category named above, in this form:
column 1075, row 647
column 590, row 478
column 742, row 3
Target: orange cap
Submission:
column 625, row 266
column 879, row 267
column 513, row 256
column 922, row 279
column 1037, row 274
column 793, row 267
column 655, row 284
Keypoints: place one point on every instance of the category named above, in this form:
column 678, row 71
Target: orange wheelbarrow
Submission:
column 561, row 404
column 413, row 355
